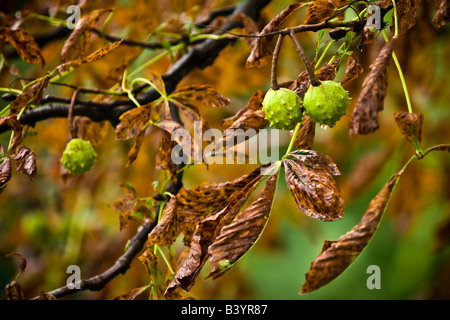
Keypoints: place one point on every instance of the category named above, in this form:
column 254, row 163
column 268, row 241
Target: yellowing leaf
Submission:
column 23, row 43
column 318, row 11
column 75, row 45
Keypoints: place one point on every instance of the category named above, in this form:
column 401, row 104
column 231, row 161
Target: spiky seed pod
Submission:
column 79, row 156
column 283, row 108
column 326, row 103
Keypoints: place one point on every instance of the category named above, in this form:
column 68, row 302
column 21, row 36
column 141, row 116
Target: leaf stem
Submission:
column 325, row 51
column 304, row 58
column 273, row 70
column 294, row 136
column 400, row 73
column 395, row 19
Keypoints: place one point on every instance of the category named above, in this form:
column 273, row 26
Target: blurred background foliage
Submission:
column 54, row 225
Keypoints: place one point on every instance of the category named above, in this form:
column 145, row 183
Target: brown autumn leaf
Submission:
column 150, row 261
column 254, row 104
column 204, row 234
column 133, row 122
column 95, row 132
column 205, row 95
column 318, row 11
column 129, row 206
column 132, row 294
column 23, row 263
column 353, row 68
column 32, row 94
column 75, row 45
column 249, row 26
column 261, row 52
column 95, row 56
column 183, row 211
column 410, row 125
column 178, row 294
column 5, row 172
column 442, row 15
column 371, row 99
column 23, row 43
column 135, row 148
column 25, row 161
column 309, row 177
column 406, row 14
column 305, row 136
column 367, row 37
column 14, row 291
column 238, row 237
column 163, row 160
column 16, row 127
column 328, row 71
column 46, row 296
column 336, row 256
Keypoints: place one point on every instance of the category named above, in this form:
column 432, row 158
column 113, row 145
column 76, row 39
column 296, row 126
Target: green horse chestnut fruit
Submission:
column 326, row 103
column 79, row 156
column 283, row 108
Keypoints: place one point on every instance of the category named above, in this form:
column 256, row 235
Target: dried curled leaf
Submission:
column 204, row 94
column 318, row 11
column 135, row 148
column 129, row 206
column 442, row 15
column 164, row 155
column 25, row 161
column 14, row 291
column 23, row 43
column 305, row 136
column 46, row 296
column 262, row 51
column 326, row 72
column 336, row 256
column 76, row 43
column 32, row 94
column 95, row 56
column 133, row 121
column 239, row 236
column 371, row 100
column 23, row 263
column 204, row 234
column 309, row 176
column 5, row 172
column 406, row 14
column 410, row 125
column 14, row 124
column 183, row 212
column 132, row 294
column 353, row 69
column 248, row 117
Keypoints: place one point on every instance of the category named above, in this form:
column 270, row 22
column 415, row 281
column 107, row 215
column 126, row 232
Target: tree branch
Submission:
column 201, row 57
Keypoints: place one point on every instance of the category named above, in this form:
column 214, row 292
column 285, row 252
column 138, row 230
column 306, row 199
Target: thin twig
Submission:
column 72, row 129
column 305, row 59
column 276, row 52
